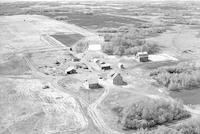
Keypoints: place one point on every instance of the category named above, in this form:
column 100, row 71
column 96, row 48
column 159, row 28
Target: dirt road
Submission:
column 95, row 115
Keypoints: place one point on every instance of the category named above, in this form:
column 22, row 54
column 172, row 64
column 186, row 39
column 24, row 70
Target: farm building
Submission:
column 76, row 59
column 102, row 65
column 117, row 79
column 92, row 84
column 105, row 66
column 70, row 70
column 142, row 56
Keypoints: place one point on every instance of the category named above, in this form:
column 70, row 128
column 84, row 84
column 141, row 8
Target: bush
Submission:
column 160, row 130
column 107, row 30
column 181, row 76
column 189, row 127
column 148, row 113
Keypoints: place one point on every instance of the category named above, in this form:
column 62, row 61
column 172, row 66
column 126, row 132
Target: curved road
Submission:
column 96, row 117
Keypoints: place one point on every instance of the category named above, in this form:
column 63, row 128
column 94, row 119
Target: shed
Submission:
column 117, row 79
column 70, row 70
column 105, row 66
column 142, row 56
column 76, row 59
column 91, row 84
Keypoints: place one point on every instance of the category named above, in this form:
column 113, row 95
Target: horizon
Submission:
column 10, row 1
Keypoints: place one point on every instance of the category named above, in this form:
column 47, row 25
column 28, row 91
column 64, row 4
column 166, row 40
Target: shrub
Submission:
column 160, row 130
column 107, row 48
column 181, row 76
column 148, row 113
column 189, row 127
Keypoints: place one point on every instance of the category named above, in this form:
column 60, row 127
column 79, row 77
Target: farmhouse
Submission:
column 92, row 84
column 70, row 70
column 142, row 56
column 117, row 79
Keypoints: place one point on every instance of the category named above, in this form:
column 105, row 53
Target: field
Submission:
column 188, row 96
column 100, row 20
column 180, row 42
column 68, row 40
column 47, row 105
column 15, row 65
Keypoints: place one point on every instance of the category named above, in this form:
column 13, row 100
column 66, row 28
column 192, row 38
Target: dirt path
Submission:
column 95, row 115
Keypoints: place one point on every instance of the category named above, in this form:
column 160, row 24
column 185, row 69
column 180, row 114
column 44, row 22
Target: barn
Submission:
column 117, row 79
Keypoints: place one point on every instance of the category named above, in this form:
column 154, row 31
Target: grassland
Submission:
column 46, row 107
column 14, row 66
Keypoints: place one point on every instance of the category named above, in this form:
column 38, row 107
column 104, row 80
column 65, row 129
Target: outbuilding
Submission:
column 142, row 56
column 76, row 59
column 105, row 66
column 117, row 79
column 91, row 84
column 70, row 70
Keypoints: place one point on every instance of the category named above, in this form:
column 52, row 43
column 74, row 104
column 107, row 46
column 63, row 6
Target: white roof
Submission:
column 105, row 65
column 94, row 47
column 70, row 68
column 142, row 53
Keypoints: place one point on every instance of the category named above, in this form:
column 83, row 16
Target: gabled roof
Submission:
column 113, row 74
column 105, row 65
column 70, row 68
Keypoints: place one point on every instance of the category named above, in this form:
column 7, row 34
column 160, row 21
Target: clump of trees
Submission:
column 81, row 46
column 189, row 127
column 181, row 76
column 107, row 30
column 127, row 45
column 61, row 17
column 128, row 40
column 148, row 113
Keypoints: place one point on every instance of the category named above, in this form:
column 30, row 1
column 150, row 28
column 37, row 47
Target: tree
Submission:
column 148, row 113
